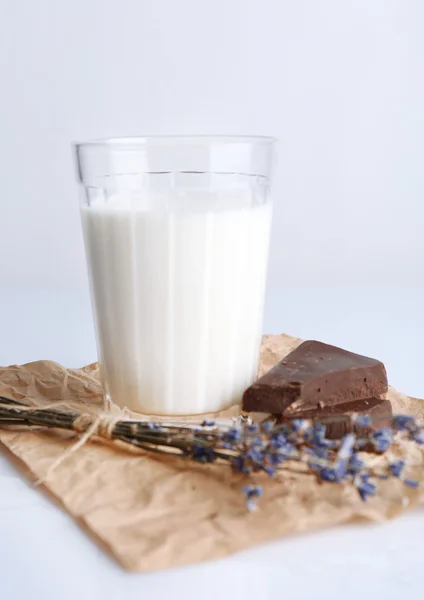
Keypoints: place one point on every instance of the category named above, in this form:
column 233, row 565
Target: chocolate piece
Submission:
column 315, row 374
column 338, row 418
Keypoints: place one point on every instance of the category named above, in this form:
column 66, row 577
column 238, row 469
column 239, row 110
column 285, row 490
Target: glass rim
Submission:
column 171, row 140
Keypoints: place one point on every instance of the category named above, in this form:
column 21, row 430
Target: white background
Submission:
column 340, row 83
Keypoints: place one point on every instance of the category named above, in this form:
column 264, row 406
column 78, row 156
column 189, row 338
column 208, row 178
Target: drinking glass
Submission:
column 176, row 231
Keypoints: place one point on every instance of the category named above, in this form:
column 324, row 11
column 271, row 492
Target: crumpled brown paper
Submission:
column 154, row 512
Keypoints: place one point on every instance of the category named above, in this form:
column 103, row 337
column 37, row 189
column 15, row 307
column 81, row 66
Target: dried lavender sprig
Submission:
column 248, row 448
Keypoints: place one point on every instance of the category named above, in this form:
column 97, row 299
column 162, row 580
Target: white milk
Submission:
column 178, row 285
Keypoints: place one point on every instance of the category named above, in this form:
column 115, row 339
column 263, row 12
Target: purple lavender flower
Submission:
column 343, row 455
column 300, row 425
column 279, row 456
column 382, row 439
column 278, row 440
column 226, row 446
column 346, row 446
column 240, row 464
column 257, row 442
column 252, row 428
column 411, row 483
column 269, row 470
column 253, row 492
column 286, row 450
column 266, row 447
column 319, row 439
column 267, row 426
column 404, row 422
column 355, row 464
column 319, row 431
column 396, row 468
column 206, row 423
column 329, row 474
column 153, row 426
column 232, row 436
column 418, row 436
column 254, row 454
column 317, row 452
column 203, row 454
column 364, row 486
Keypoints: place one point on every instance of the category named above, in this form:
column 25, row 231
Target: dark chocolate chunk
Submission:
column 338, row 418
column 316, row 374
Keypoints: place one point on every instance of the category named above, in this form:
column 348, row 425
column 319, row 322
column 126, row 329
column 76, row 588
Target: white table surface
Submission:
column 44, row 555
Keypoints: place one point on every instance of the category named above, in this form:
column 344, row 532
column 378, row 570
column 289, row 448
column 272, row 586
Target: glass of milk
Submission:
column 176, row 232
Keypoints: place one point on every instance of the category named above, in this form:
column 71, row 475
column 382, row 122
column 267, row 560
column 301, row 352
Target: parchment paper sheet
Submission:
column 155, row 512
